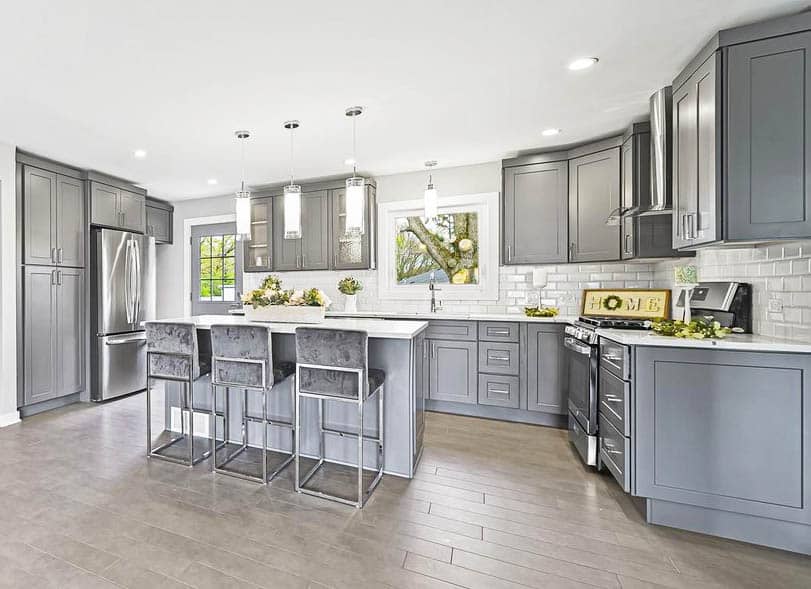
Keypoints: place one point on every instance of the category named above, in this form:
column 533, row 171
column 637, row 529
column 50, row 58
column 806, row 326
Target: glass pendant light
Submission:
column 431, row 198
column 355, row 186
column 292, row 195
column 243, row 199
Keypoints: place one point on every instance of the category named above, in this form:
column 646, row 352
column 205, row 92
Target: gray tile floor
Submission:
column 494, row 505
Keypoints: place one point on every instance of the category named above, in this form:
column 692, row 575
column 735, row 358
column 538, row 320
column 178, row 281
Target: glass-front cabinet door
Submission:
column 351, row 252
column 258, row 247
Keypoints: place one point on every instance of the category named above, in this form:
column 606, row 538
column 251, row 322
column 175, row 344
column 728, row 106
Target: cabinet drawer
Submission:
column 495, row 358
column 491, row 331
column 498, row 390
column 616, row 358
column 615, row 453
column 457, row 330
column 615, row 400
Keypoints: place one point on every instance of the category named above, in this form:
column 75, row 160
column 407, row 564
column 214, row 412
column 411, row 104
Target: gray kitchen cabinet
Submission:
column 594, row 192
column 159, row 220
column 104, row 205
column 629, row 182
column 286, row 252
column 499, row 358
column 39, row 216
column 315, row 243
column 258, row 246
column 535, row 212
column 53, row 333
column 499, row 390
column 53, row 218
column 767, row 92
column 352, row 252
column 133, row 211
column 546, row 371
column 453, row 373
column 696, row 157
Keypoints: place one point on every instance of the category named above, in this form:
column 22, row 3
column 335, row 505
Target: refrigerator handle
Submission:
column 127, row 270
column 138, row 282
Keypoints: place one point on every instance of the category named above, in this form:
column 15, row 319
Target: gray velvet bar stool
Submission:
column 333, row 365
column 173, row 355
column 242, row 361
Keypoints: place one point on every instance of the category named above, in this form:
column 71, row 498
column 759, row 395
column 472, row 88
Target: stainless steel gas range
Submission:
column 583, row 365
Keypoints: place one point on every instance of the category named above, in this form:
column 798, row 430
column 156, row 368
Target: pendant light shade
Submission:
column 243, row 195
column 292, row 195
column 355, row 221
column 431, row 197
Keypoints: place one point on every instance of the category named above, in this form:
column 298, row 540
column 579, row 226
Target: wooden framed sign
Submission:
column 631, row 303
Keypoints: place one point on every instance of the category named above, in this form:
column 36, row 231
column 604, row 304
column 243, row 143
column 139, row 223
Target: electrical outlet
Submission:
column 775, row 306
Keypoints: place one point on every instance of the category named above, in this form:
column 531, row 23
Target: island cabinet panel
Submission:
column 724, row 430
column 768, row 135
column 545, row 369
column 453, row 372
column 535, row 213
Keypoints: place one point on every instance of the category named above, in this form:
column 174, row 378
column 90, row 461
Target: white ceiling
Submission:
column 459, row 81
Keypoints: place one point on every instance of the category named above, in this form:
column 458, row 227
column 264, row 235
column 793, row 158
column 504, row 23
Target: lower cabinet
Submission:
column 453, row 371
column 499, row 390
column 546, row 371
column 53, row 332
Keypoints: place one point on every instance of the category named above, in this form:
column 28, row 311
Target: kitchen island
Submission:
column 396, row 347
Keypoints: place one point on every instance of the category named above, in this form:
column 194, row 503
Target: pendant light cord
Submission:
column 242, row 141
column 354, row 145
column 291, row 156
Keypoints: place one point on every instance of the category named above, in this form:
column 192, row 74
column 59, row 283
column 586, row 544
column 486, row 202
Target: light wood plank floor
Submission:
column 494, row 505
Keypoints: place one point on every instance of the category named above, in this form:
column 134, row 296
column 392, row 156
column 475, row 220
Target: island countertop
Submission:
column 376, row 328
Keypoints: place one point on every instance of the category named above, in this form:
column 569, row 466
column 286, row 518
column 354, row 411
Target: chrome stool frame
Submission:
column 216, row 382
column 362, row 374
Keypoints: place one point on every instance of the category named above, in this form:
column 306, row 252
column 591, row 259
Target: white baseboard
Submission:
column 9, row 418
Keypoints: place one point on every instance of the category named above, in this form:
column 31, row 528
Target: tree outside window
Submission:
column 446, row 246
column 217, row 268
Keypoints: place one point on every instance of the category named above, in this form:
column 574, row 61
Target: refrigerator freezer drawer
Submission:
column 121, row 365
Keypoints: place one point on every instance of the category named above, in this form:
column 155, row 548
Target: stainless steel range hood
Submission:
column 661, row 113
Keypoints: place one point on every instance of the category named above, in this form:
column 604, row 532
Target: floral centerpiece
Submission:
column 350, row 287
column 700, row 328
column 270, row 302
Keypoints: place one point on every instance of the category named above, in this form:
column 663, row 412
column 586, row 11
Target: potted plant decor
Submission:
column 271, row 303
column 350, row 287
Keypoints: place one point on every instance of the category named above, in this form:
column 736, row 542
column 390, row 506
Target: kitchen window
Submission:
column 458, row 248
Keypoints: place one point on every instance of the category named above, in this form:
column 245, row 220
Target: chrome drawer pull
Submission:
column 501, row 358
column 613, row 399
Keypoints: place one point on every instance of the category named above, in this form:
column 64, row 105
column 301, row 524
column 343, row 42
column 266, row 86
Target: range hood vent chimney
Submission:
column 661, row 114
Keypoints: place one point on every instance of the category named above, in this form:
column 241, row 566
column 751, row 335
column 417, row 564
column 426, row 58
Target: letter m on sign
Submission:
column 633, row 303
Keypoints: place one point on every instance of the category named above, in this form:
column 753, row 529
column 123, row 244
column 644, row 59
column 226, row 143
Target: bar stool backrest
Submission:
column 172, row 350
column 241, row 355
column 330, row 360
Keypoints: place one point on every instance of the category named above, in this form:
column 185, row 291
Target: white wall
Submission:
column 8, row 288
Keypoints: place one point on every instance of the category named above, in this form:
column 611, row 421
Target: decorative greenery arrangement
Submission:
column 270, row 293
column 699, row 328
column 349, row 285
column 541, row 311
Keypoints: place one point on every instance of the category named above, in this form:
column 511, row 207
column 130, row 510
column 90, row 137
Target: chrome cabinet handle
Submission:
column 53, row 255
column 498, row 331
column 59, row 256
column 59, row 277
column 628, row 247
column 572, row 247
column 498, row 358
column 613, row 399
column 53, row 277
column 498, row 390
column 611, row 358
column 509, row 253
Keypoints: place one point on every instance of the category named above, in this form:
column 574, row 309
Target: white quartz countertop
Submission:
column 734, row 341
column 376, row 328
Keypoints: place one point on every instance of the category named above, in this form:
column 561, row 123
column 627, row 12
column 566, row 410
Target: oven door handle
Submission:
column 574, row 346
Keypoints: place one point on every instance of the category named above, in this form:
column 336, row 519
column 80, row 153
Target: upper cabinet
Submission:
column 594, row 193
column 116, row 205
column 53, row 217
column 741, row 133
column 535, row 213
column 324, row 243
column 159, row 220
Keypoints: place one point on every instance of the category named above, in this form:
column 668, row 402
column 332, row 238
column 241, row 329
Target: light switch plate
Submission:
column 775, row 306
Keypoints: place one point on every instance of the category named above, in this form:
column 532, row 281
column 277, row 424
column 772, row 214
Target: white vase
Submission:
column 351, row 303
column 285, row 314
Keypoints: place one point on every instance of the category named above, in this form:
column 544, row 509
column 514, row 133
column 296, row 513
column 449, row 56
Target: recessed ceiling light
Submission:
column 350, row 162
column 139, row 153
column 550, row 132
column 212, row 181
column 582, row 63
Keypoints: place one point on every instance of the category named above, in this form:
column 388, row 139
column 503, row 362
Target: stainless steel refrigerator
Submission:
column 122, row 297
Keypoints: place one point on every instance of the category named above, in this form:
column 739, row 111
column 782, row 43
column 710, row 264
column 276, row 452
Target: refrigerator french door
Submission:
column 122, row 297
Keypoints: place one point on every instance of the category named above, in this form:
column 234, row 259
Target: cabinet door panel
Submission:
column 546, row 372
column 70, row 221
column 133, row 211
column 315, row 230
column 104, row 205
column 594, row 191
column 535, row 213
column 258, row 247
column 159, row 224
column 768, row 133
column 40, row 334
column 349, row 252
column 286, row 252
column 39, row 213
column 498, row 358
column 70, row 339
column 685, row 144
column 499, row 390
column 707, row 208
column 453, row 371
